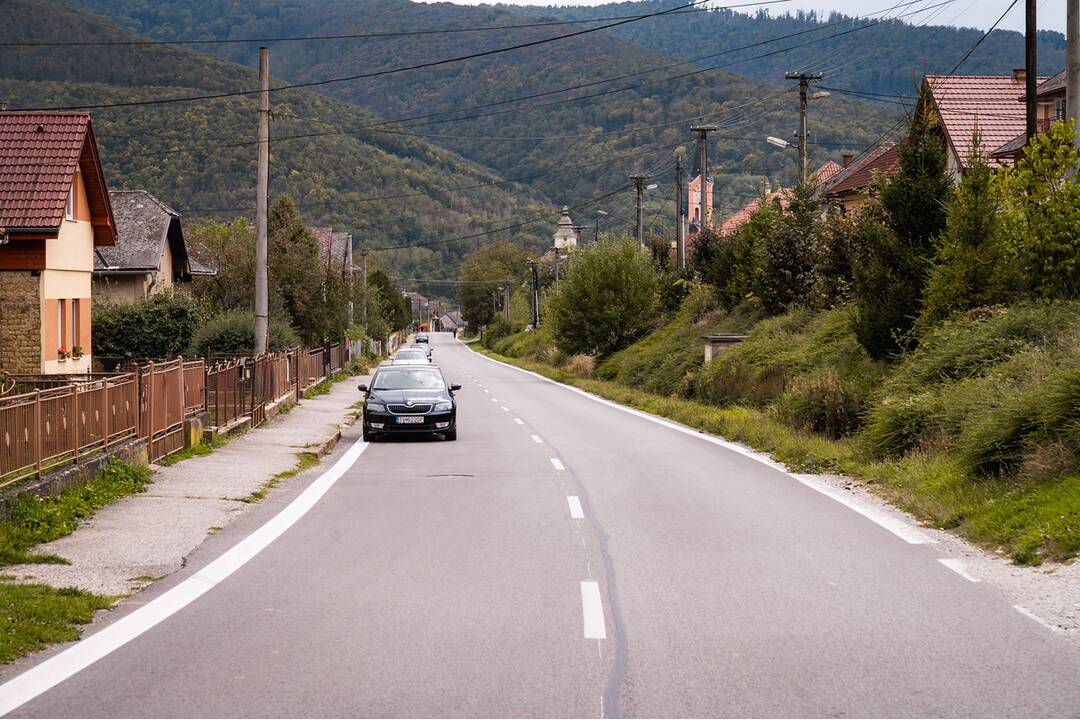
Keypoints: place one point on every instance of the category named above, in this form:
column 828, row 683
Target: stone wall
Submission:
column 20, row 322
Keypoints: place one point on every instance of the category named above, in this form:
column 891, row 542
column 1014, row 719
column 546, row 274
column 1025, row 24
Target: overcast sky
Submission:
column 968, row 13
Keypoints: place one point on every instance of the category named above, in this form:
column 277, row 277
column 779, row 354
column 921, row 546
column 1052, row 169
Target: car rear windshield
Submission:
column 403, row 378
column 404, row 354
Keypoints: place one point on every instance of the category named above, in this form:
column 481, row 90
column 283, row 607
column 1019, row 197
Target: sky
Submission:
column 968, row 13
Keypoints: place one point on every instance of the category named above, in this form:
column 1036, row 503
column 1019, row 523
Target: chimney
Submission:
column 847, row 159
column 1019, row 74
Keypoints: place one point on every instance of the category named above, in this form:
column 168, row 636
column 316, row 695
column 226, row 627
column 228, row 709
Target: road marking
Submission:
column 537, row 440
column 505, row 409
column 957, row 566
column 592, row 611
column 519, row 421
column 575, row 507
column 557, row 463
column 494, row 399
column 40, row 678
column 902, row 530
column 486, row 390
column 1023, row 611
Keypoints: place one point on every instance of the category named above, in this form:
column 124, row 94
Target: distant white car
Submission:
column 411, row 356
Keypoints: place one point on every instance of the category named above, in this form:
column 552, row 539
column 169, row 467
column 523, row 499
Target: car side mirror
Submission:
column 455, row 387
column 362, row 387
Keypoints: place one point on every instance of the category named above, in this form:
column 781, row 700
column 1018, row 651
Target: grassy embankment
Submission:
column 36, row 615
column 976, row 431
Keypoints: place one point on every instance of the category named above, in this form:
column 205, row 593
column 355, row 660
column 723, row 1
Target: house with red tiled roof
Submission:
column 964, row 105
column 54, row 211
column 781, row 197
column 850, row 188
column 1049, row 108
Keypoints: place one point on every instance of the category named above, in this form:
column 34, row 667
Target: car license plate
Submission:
column 411, row 420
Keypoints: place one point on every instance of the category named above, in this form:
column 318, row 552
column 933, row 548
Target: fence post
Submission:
column 182, row 387
column 37, row 432
column 150, row 412
column 107, row 411
column 75, row 405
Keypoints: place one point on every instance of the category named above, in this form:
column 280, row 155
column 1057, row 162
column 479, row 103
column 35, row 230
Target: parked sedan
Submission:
column 409, row 399
column 411, row 356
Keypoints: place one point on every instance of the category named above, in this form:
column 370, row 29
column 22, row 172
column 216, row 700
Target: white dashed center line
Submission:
column 537, row 440
column 557, row 463
column 519, row 421
column 505, row 409
column 575, row 507
column 592, row 611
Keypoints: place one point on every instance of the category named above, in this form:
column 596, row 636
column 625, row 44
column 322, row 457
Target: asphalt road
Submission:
column 460, row 579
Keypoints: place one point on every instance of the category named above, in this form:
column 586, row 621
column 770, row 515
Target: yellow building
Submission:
column 54, row 211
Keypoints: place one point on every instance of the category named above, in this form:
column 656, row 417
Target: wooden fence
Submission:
column 56, row 419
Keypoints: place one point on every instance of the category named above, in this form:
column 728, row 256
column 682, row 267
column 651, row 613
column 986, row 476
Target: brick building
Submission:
column 54, row 211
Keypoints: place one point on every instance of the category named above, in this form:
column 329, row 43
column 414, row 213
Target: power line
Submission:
column 356, row 36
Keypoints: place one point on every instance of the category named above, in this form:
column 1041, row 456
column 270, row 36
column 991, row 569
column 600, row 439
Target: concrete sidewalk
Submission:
column 141, row 538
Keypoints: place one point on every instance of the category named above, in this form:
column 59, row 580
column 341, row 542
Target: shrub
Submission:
column 607, row 300
column 822, row 403
column 234, row 333
column 895, row 426
column 581, row 365
column 160, row 326
column 787, row 272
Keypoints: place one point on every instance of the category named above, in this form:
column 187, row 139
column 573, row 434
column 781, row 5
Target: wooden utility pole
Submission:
column 804, row 136
column 1031, row 31
column 262, row 328
column 506, row 301
column 349, row 275
column 680, row 237
column 1072, row 65
column 639, row 187
column 703, row 165
column 363, row 270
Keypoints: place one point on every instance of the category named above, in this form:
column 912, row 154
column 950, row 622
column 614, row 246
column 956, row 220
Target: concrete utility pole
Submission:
column 1072, row 65
column 535, row 294
column 703, row 164
column 556, row 269
column 506, row 301
column 804, row 86
column 579, row 230
column 1031, row 30
column 680, row 238
column 262, row 182
column 639, row 186
column 363, row 269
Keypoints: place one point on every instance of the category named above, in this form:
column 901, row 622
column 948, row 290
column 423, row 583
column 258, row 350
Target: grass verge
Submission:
column 1030, row 521
column 207, row 446
column 305, row 461
column 36, row 520
column 36, row 615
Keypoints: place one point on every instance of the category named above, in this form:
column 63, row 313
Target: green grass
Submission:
column 36, row 615
column 210, row 443
column 1030, row 521
column 305, row 461
column 322, row 388
column 37, row 520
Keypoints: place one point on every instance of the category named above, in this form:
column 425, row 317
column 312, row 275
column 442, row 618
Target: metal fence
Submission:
column 53, row 419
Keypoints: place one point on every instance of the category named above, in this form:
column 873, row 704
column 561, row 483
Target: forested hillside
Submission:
column 900, row 41
column 200, row 156
column 571, row 149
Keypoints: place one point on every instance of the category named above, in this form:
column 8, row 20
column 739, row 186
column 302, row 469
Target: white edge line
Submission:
column 519, row 421
column 505, row 409
column 897, row 527
column 557, row 463
column 536, row 439
column 957, row 566
column 1027, row 613
column 592, row 611
column 575, row 507
column 42, row 677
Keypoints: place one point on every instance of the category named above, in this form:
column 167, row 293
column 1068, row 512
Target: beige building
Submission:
column 54, row 212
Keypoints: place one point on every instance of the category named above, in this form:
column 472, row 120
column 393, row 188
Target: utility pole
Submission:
column 639, row 186
column 535, row 294
column 680, row 238
column 1031, row 31
column 363, row 269
column 703, row 164
column 556, row 269
column 579, row 230
column 1072, row 65
column 350, row 274
column 262, row 182
column 804, row 86
column 506, row 301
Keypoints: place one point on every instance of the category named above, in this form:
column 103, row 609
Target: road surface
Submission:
column 565, row 558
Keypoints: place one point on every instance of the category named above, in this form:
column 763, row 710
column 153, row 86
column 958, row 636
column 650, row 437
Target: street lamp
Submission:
column 780, row 142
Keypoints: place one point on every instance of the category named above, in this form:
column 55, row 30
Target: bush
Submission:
column 822, row 403
column 607, row 300
column 160, row 326
column 581, row 365
column 234, row 333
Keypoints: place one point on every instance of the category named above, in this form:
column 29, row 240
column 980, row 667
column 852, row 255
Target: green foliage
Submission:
column 1042, row 213
column 160, row 326
column 974, row 266
column 36, row 616
column 736, row 265
column 607, row 299
column 37, row 520
column 233, row 332
column 787, row 273
column 483, row 274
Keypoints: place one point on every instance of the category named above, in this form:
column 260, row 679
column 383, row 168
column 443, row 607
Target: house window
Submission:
column 69, row 210
column 61, row 324
column 75, row 340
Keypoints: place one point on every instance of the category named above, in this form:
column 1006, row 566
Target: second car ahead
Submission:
column 411, row 356
column 409, row 399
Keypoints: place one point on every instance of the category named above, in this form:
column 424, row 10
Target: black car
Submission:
column 409, row 399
